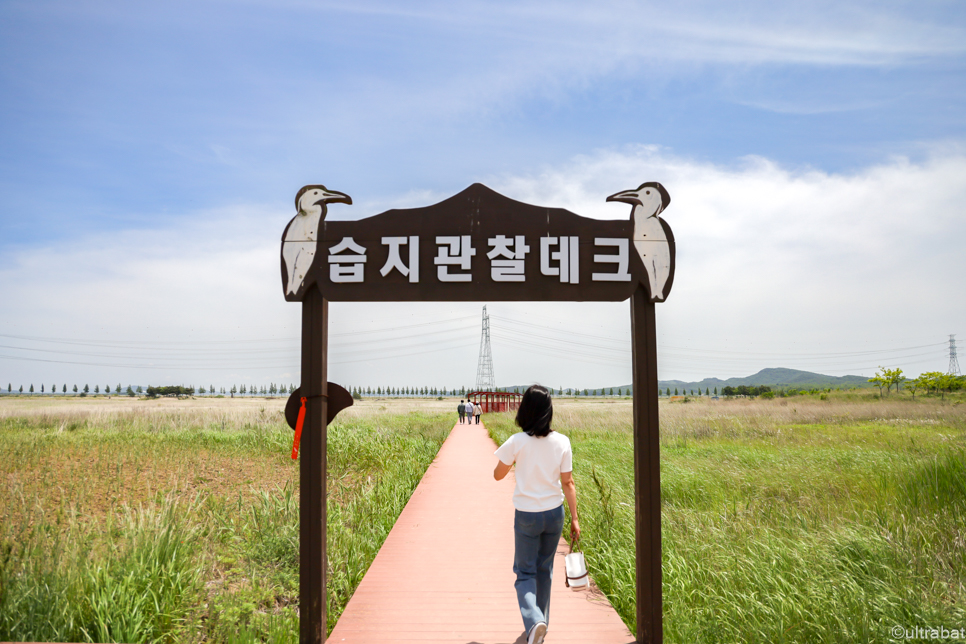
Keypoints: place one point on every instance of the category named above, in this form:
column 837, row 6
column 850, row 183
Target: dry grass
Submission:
column 202, row 409
column 793, row 519
column 98, row 493
column 92, row 477
column 705, row 418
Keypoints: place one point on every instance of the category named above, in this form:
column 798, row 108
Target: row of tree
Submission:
column 175, row 390
column 929, row 382
column 273, row 389
column 462, row 391
column 745, row 390
column 82, row 392
column 684, row 392
column 358, row 392
column 613, row 391
column 166, row 390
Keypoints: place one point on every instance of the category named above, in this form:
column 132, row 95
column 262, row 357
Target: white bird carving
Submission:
column 650, row 238
column 301, row 236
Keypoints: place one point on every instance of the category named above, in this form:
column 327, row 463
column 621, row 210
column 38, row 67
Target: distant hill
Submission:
column 776, row 378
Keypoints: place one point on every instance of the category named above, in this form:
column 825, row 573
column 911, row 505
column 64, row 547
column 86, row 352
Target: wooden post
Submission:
column 647, row 470
column 312, row 466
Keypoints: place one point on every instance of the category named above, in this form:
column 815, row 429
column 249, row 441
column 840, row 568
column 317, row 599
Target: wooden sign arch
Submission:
column 477, row 245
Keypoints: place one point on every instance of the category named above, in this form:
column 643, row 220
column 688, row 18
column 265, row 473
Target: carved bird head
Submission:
column 311, row 200
column 650, row 196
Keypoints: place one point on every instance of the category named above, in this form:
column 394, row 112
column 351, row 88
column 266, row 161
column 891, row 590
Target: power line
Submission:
column 430, row 337
column 122, row 344
column 247, row 365
column 402, row 355
column 689, row 357
column 572, row 356
column 549, row 328
column 700, row 359
column 409, row 326
column 167, row 344
column 557, row 341
column 382, row 351
column 231, row 357
column 558, row 350
column 718, row 351
column 235, row 352
column 132, row 366
column 804, row 355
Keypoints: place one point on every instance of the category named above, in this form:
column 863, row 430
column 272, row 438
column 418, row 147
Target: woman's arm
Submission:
column 501, row 470
column 570, row 493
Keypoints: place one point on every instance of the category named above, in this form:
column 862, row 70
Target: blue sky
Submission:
column 139, row 141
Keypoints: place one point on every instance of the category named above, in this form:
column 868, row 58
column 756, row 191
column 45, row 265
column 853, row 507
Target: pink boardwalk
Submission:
column 445, row 572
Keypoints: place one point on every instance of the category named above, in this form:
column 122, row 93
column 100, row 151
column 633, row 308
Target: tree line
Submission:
column 462, row 391
column 152, row 391
column 928, row 382
column 77, row 391
column 358, row 392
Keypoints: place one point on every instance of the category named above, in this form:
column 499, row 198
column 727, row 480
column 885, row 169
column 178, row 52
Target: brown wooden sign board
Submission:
column 475, row 246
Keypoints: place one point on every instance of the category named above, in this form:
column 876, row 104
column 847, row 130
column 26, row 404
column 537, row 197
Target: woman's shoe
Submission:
column 537, row 633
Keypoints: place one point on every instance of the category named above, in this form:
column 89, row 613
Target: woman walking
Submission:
column 544, row 478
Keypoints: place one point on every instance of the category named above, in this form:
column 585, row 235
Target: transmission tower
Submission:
column 485, row 381
column 953, row 360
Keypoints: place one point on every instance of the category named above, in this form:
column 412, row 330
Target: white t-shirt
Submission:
column 469, row 408
column 539, row 464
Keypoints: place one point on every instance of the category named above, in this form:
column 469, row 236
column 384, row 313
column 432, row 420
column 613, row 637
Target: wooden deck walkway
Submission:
column 445, row 573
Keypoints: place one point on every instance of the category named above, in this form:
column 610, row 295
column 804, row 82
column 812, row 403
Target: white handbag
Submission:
column 577, row 576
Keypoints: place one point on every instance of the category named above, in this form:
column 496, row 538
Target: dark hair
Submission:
column 536, row 411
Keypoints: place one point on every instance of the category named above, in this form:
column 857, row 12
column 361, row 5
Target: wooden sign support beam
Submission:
column 647, row 470
column 312, row 467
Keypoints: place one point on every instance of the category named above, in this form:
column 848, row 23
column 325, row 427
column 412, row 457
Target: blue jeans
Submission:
column 536, row 537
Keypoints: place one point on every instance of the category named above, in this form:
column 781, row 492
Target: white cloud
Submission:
column 185, row 288
column 780, row 262
column 776, row 267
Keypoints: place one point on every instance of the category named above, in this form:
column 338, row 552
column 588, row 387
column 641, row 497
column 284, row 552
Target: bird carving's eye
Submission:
column 647, row 192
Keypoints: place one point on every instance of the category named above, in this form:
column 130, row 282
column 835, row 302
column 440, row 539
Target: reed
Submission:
column 181, row 525
column 789, row 520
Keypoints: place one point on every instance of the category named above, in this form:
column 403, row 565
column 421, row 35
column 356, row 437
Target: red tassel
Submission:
column 298, row 430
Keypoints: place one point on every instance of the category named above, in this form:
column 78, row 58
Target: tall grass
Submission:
column 182, row 525
column 61, row 582
column 808, row 521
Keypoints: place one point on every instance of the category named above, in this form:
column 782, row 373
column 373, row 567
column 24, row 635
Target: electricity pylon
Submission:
column 953, row 360
column 485, row 381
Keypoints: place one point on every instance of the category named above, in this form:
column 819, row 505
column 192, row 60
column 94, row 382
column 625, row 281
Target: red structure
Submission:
column 496, row 400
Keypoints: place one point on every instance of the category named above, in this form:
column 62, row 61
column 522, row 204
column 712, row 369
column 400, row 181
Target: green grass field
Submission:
column 789, row 520
column 182, row 525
